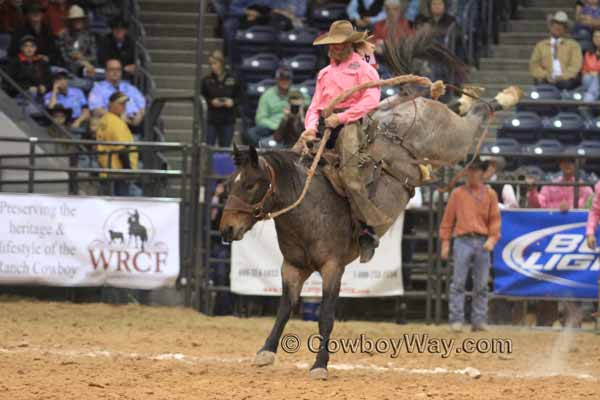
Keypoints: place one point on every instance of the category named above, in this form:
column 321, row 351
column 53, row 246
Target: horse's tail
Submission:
column 402, row 51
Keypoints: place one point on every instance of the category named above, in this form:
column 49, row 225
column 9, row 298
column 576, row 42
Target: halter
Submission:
column 234, row 203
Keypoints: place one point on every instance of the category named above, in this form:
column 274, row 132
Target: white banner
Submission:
column 256, row 266
column 88, row 241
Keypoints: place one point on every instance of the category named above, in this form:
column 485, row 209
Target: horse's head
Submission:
column 249, row 189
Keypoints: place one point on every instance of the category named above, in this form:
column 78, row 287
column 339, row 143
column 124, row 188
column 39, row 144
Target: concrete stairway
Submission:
column 509, row 60
column 171, row 41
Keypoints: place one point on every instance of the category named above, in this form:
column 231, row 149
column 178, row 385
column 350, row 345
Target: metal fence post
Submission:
column 31, row 175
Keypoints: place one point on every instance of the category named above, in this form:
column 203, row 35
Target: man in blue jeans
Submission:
column 472, row 217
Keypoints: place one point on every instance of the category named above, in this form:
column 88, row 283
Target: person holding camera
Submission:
column 222, row 92
column 291, row 126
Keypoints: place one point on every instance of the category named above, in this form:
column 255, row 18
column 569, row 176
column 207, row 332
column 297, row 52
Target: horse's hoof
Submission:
column 264, row 358
column 319, row 373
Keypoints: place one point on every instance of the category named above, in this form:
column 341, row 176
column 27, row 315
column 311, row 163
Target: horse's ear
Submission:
column 237, row 156
column 253, row 157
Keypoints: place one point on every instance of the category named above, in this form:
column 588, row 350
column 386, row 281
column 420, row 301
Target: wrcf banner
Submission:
column 88, row 241
column 544, row 254
column 256, row 266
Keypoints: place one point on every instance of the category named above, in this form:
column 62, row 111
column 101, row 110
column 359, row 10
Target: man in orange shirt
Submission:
column 472, row 216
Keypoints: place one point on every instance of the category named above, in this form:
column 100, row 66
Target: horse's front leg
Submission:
column 293, row 279
column 331, row 272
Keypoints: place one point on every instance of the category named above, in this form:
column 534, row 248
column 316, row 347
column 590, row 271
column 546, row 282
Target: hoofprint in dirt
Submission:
column 96, row 351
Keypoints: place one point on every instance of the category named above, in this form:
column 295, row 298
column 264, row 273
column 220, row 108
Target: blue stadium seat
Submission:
column 222, row 164
column 522, row 126
column 259, row 67
column 253, row 93
column 542, row 92
column 256, row 39
column 388, row 91
column 299, row 41
column 590, row 148
column 565, row 127
column 4, row 45
column 546, row 147
column 323, row 16
column 592, row 129
column 504, row 146
column 304, row 66
column 307, row 87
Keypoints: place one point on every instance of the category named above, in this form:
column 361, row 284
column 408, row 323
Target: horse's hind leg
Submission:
column 331, row 273
column 293, row 279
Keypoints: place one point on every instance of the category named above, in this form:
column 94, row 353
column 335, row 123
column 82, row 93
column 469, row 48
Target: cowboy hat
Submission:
column 76, row 12
column 340, row 32
column 560, row 17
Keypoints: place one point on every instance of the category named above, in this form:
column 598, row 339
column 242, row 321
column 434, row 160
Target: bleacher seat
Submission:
column 522, row 126
column 323, row 16
column 565, row 127
column 589, row 148
column 253, row 93
column 304, row 66
column 4, row 45
column 256, row 39
column 307, row 87
column 592, row 129
column 504, row 146
column 259, row 67
column 542, row 92
column 299, row 41
column 222, row 164
column 546, row 147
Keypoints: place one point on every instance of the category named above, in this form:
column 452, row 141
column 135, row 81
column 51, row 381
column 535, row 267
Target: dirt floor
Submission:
column 66, row 351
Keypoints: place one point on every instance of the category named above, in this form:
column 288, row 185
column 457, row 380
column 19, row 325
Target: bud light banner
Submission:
column 88, row 241
column 544, row 254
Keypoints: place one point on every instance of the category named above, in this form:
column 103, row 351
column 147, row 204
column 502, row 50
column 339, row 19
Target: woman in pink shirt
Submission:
column 593, row 218
column 590, row 70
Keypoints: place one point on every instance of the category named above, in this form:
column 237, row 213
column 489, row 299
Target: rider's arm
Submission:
column 367, row 102
column 311, row 119
column 449, row 219
column 594, row 215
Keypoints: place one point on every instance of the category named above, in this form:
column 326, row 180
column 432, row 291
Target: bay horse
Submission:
column 318, row 235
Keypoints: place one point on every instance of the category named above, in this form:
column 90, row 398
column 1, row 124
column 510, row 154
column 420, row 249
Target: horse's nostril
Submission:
column 227, row 234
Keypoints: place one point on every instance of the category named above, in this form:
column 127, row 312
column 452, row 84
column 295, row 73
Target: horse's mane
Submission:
column 285, row 164
column 401, row 54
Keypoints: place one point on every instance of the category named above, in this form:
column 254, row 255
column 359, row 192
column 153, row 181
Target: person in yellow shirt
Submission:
column 113, row 128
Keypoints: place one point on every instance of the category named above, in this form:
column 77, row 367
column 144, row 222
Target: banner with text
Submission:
column 88, row 241
column 256, row 266
column 544, row 254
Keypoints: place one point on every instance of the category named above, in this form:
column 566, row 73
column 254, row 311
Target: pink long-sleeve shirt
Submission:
column 594, row 215
column 333, row 80
column 552, row 196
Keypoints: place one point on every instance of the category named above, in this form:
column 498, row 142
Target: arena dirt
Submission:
column 65, row 351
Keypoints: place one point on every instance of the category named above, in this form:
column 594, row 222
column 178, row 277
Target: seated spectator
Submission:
column 77, row 44
column 56, row 14
column 41, row 32
column 119, row 45
column 11, row 16
column 101, row 92
column 68, row 97
column 557, row 60
column 439, row 20
column 271, row 106
column 291, row 126
column 587, row 16
column 394, row 24
column 365, row 13
column 560, row 197
column 590, row 70
column 222, row 91
column 112, row 128
column 30, row 70
column 60, row 115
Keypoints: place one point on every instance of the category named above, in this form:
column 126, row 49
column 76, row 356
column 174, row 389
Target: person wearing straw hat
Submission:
column 346, row 70
column 77, row 44
column 557, row 60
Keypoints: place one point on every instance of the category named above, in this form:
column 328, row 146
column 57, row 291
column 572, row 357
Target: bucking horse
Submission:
column 406, row 133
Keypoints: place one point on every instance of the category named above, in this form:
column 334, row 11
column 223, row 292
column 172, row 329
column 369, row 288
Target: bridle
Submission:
column 256, row 210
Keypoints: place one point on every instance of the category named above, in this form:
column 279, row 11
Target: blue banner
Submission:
column 544, row 254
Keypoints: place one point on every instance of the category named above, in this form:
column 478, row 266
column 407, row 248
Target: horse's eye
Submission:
column 250, row 186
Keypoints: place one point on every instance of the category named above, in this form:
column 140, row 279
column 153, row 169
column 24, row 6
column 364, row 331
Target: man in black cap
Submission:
column 41, row 32
column 118, row 45
column 68, row 97
column 28, row 69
